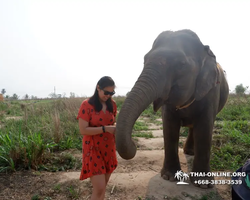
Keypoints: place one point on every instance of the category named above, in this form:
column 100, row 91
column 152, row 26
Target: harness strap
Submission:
column 185, row 106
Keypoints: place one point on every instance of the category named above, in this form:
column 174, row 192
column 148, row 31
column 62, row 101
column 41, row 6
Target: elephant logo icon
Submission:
column 181, row 177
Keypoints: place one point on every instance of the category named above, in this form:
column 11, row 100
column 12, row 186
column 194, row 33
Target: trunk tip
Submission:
column 127, row 152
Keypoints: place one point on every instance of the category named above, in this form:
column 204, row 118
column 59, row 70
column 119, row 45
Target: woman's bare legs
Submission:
column 107, row 176
column 99, row 183
column 99, row 187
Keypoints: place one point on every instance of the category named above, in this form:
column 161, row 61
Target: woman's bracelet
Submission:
column 103, row 129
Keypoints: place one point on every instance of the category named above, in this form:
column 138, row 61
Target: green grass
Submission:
column 57, row 187
column 119, row 101
column 142, row 134
column 35, row 197
column 48, row 127
column 73, row 193
column 12, row 108
column 140, row 126
column 230, row 145
column 184, row 131
column 140, row 129
column 236, row 108
column 61, row 162
column 22, row 150
column 149, row 112
column 43, row 128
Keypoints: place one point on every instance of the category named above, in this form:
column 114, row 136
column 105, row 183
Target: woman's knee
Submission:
column 99, row 184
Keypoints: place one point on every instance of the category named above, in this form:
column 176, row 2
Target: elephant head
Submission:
column 177, row 70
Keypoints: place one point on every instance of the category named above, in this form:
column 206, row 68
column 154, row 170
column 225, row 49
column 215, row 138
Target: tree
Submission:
column 64, row 95
column 15, row 96
column 52, row 95
column 3, row 91
column 240, row 89
column 33, row 97
column 26, row 96
column 72, row 95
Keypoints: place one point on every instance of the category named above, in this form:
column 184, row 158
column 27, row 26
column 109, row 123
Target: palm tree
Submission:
column 185, row 176
column 180, row 175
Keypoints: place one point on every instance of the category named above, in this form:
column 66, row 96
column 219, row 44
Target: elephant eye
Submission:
column 181, row 65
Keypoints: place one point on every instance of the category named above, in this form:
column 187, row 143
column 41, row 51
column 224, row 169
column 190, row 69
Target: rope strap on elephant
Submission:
column 181, row 107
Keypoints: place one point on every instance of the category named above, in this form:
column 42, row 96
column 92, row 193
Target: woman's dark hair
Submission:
column 105, row 81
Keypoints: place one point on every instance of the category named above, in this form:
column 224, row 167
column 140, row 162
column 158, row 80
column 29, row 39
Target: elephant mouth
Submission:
column 183, row 96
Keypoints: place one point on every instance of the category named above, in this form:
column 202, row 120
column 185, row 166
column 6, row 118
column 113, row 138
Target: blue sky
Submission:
column 70, row 44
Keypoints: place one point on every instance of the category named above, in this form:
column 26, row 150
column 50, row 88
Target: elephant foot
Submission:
column 188, row 151
column 168, row 175
column 202, row 182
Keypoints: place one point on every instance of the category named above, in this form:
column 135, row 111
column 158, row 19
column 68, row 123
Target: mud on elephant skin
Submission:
column 182, row 77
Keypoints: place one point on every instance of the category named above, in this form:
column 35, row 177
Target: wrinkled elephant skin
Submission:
column 182, row 77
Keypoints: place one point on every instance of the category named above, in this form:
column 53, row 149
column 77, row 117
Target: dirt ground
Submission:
column 138, row 178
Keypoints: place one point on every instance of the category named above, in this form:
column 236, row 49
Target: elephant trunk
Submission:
column 145, row 90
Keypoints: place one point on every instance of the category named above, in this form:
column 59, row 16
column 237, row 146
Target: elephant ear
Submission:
column 208, row 76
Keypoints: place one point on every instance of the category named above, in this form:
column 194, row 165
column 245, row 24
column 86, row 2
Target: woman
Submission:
column 97, row 125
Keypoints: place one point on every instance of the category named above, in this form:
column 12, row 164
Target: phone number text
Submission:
column 218, row 182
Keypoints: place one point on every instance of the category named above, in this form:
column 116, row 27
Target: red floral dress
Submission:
column 99, row 152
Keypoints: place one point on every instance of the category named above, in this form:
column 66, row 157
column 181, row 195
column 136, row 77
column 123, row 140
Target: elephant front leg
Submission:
column 171, row 163
column 202, row 147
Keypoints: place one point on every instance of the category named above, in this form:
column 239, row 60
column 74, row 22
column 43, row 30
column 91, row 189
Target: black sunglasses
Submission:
column 108, row 93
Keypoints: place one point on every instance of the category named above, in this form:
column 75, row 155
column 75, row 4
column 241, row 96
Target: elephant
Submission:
column 182, row 77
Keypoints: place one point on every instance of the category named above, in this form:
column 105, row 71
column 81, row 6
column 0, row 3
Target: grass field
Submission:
column 32, row 132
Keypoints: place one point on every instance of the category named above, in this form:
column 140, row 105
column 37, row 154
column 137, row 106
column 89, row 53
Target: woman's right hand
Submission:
column 110, row 129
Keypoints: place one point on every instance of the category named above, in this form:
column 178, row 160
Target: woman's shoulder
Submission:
column 86, row 103
column 113, row 101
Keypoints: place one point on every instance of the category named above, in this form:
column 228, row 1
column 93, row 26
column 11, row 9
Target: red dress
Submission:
column 99, row 152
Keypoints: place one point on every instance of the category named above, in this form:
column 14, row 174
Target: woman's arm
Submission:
column 86, row 130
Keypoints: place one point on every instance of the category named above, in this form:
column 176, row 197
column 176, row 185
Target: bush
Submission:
column 240, row 89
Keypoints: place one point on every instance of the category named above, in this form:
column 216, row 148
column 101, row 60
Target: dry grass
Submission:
column 57, row 132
